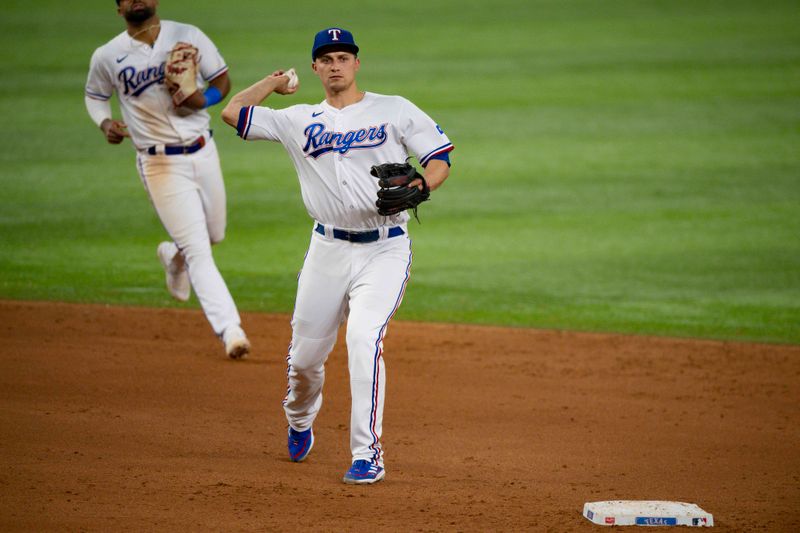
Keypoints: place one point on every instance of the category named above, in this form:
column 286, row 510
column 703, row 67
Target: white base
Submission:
column 646, row 513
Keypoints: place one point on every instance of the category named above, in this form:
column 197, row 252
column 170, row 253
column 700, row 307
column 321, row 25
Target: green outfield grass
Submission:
column 629, row 166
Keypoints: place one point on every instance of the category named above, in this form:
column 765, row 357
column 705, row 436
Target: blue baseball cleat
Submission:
column 300, row 444
column 363, row 472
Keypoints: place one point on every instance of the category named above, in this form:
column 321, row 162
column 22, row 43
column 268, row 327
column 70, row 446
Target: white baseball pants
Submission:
column 363, row 283
column 188, row 194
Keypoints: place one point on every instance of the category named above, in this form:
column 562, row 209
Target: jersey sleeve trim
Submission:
column 441, row 150
column 217, row 74
column 243, row 125
column 441, row 157
column 97, row 96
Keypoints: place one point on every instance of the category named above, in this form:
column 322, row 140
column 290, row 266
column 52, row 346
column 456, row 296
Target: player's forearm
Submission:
column 436, row 172
column 222, row 83
column 196, row 101
column 253, row 95
column 217, row 89
column 99, row 110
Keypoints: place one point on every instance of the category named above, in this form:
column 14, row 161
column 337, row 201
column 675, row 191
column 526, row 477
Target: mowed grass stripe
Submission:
column 624, row 166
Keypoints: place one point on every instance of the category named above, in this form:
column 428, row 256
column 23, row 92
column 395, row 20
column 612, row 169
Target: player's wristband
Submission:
column 213, row 96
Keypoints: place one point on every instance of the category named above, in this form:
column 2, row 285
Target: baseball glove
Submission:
column 394, row 195
column 181, row 72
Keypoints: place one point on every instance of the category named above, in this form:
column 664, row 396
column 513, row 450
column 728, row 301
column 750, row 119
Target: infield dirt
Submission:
column 115, row 418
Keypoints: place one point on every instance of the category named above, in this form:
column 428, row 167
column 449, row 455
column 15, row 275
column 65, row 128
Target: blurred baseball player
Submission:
column 158, row 70
column 358, row 262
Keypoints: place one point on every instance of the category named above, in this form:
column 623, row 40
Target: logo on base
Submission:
column 656, row 521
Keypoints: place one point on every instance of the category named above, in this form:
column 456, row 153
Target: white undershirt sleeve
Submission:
column 99, row 110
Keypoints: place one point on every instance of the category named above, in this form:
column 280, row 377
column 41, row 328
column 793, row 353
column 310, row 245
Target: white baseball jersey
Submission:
column 334, row 149
column 186, row 190
column 136, row 72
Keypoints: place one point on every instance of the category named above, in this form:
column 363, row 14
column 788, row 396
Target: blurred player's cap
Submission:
column 333, row 38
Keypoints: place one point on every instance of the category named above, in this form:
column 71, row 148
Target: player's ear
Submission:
column 358, row 64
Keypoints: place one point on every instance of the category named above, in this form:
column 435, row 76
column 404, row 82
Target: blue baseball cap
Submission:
column 331, row 37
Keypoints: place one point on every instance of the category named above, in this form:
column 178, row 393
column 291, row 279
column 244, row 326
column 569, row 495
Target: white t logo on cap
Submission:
column 334, row 34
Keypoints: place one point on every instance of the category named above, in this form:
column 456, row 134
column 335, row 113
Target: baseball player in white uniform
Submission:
column 176, row 155
column 358, row 262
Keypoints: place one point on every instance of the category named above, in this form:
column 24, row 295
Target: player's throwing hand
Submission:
column 286, row 81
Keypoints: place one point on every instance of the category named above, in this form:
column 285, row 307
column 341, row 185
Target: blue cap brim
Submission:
column 325, row 48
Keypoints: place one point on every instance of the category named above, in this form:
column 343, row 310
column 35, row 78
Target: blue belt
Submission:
column 180, row 150
column 360, row 236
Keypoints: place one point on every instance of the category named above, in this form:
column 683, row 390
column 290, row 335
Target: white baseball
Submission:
column 292, row 78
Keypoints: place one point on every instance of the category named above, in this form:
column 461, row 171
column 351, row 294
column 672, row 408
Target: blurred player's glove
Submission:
column 181, row 72
column 394, row 195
